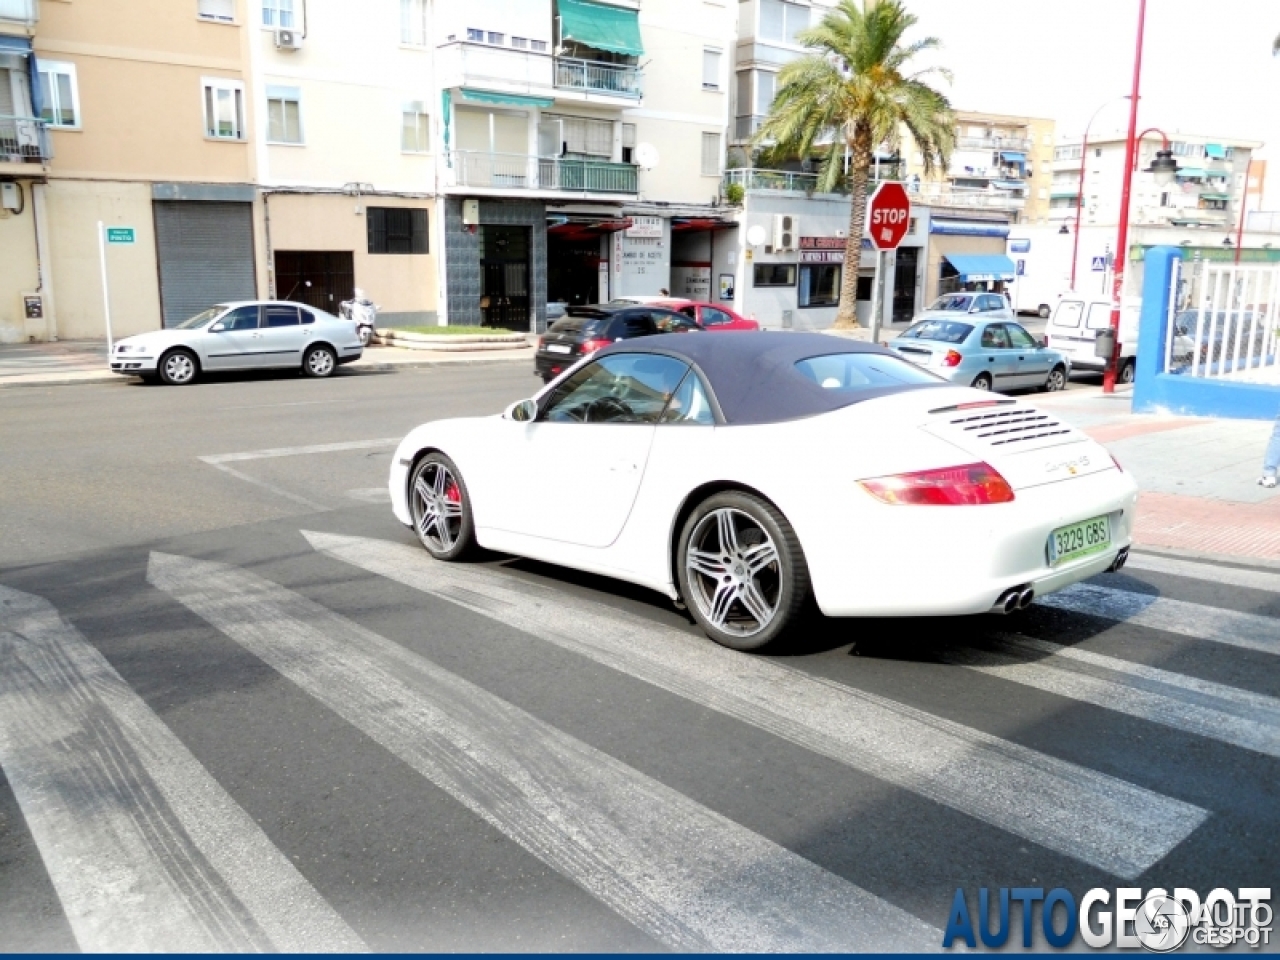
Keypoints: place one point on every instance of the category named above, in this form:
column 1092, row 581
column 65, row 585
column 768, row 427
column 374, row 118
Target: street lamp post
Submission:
column 1084, row 155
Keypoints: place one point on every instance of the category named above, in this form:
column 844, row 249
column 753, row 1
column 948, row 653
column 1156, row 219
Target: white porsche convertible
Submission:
column 746, row 476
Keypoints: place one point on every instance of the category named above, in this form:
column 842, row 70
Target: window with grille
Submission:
column 415, row 128
column 284, row 115
column 711, row 154
column 397, row 229
column 413, row 22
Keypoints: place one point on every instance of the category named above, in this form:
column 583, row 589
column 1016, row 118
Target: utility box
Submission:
column 471, row 213
column 35, row 326
column 1105, row 346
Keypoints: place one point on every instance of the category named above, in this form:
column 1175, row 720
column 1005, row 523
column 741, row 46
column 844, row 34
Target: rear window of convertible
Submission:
column 853, row 372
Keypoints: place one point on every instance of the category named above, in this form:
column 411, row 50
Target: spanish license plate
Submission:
column 1079, row 540
column 557, row 348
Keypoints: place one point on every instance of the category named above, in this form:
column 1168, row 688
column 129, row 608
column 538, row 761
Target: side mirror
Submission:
column 522, row 411
column 218, row 327
column 1044, row 341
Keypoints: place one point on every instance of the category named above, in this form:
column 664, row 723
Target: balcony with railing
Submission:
column 1011, row 144
column 25, row 12
column 769, row 181
column 24, row 140
column 512, row 171
column 589, row 76
column 945, row 195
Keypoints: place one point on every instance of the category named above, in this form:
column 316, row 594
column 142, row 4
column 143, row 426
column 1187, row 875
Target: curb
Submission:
column 1230, row 559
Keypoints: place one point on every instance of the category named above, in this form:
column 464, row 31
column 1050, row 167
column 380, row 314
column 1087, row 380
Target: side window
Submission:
column 241, row 318
column 994, row 337
column 1068, row 313
column 711, row 317
column 690, row 404
column 1020, row 338
column 673, row 322
column 623, row 388
column 280, row 317
column 637, row 325
column 990, row 303
column 1099, row 316
column 308, row 316
column 690, row 312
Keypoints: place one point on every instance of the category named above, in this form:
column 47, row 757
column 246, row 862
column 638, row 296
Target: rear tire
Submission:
column 741, row 571
column 1126, row 372
column 319, row 362
column 179, row 367
column 982, row 382
column 1043, row 311
column 1057, row 380
column 441, row 508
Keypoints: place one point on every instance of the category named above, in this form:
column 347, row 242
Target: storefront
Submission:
column 953, row 242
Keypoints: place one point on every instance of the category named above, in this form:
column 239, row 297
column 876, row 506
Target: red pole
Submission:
column 1122, row 240
column 1244, row 210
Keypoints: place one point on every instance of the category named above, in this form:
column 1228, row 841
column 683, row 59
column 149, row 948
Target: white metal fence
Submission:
column 1225, row 324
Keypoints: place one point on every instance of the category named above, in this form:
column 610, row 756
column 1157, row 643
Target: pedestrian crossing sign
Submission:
column 1099, row 264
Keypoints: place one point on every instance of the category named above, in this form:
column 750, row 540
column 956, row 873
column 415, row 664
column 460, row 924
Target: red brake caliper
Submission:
column 453, row 494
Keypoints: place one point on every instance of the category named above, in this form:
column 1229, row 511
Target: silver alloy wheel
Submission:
column 734, row 572
column 319, row 362
column 1126, row 371
column 437, row 507
column 981, row 382
column 179, row 367
column 1057, row 380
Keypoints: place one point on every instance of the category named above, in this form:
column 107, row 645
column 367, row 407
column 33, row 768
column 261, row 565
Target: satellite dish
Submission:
column 647, row 156
column 757, row 235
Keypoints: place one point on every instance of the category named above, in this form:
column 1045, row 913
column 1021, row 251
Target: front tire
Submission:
column 741, row 571
column 179, row 368
column 319, row 362
column 1057, row 380
column 441, row 508
column 1043, row 311
column 1126, row 371
column 982, row 382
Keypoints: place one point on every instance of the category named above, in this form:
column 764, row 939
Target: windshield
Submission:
column 944, row 331
column 200, row 319
column 955, row 302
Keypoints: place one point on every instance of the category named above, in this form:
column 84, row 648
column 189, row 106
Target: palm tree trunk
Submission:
column 859, row 172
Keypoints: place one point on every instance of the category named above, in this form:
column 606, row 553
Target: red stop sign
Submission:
column 888, row 216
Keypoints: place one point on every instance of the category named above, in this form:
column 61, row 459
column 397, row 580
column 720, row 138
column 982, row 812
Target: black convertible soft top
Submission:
column 755, row 378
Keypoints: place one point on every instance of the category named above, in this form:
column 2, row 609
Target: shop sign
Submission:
column 822, row 249
column 648, row 228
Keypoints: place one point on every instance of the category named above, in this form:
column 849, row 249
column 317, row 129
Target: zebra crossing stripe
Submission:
column 1090, row 816
column 1245, row 630
column 146, row 852
column 1215, row 573
column 1201, row 707
column 687, row 876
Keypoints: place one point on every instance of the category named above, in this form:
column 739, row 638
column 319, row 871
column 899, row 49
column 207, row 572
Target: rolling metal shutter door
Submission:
column 206, row 255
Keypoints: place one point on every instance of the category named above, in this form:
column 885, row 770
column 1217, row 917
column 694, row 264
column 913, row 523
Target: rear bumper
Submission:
column 553, row 364
column 948, row 561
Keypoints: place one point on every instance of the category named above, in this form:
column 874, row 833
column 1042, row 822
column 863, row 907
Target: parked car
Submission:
column 985, row 306
column 746, row 526
column 982, row 354
column 244, row 335
column 587, row 329
column 1074, row 327
column 710, row 316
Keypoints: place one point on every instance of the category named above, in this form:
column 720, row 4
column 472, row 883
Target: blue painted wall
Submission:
column 1157, row 392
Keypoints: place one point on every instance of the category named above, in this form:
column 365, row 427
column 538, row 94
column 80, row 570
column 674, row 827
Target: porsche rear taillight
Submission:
column 970, row 485
column 591, row 346
column 952, row 359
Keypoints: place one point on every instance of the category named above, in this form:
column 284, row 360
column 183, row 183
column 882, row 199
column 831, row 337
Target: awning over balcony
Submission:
column 1008, row 184
column 9, row 44
column 1215, row 151
column 471, row 95
column 614, row 29
column 1061, row 193
column 968, row 228
column 1190, row 173
column 977, row 268
column 21, row 47
column 1215, row 196
column 1010, row 156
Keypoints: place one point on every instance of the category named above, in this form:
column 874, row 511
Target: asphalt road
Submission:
column 240, row 708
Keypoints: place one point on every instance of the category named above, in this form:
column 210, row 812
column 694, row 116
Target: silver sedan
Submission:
column 245, row 335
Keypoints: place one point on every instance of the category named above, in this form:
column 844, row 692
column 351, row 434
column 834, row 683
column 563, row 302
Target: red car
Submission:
column 709, row 316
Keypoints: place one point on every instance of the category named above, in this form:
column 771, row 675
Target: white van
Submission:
column 1075, row 324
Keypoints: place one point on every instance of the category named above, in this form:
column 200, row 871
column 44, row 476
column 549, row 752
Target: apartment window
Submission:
column 414, row 129
column 775, row 275
column 782, row 21
column 413, row 22
column 284, row 115
column 498, row 39
column 710, row 69
column 59, row 94
column 277, row 13
column 475, row 36
column 223, row 109
column 711, row 154
column 397, row 229
column 589, row 138
column 766, row 89
column 628, row 142
column 520, row 43
column 538, row 46
column 221, row 11
column 819, row 285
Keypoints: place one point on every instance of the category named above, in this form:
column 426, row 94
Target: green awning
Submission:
column 1215, row 196
column 1191, row 173
column 614, row 29
column 1215, row 150
column 504, row 99
column 1063, row 192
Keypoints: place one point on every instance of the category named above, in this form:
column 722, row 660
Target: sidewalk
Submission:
column 85, row 361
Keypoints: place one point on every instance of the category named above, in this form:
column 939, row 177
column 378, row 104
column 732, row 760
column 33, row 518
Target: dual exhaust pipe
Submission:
column 1014, row 599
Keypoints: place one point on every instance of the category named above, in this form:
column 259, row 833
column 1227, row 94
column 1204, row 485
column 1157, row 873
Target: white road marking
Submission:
column 145, row 850
column 1201, row 707
column 273, row 488
column 300, row 451
column 689, row 877
column 1245, row 630
column 1232, row 576
column 1099, row 819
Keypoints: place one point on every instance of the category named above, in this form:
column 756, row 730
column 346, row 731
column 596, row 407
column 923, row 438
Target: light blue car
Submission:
column 985, row 354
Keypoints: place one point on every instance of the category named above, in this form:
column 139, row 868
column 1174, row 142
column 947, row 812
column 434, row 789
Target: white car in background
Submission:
column 243, row 335
column 967, row 306
column 747, row 475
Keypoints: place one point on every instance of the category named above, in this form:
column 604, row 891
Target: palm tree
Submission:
column 855, row 85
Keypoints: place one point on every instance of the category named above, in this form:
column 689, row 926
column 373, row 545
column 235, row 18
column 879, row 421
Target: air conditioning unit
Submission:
column 784, row 231
column 288, row 39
